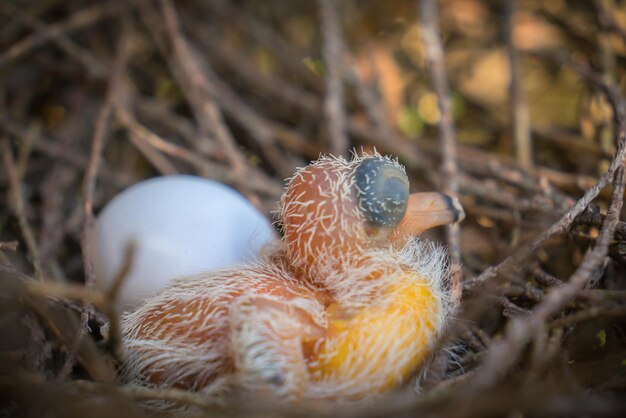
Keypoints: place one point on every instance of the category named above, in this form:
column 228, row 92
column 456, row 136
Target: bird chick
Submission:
column 347, row 306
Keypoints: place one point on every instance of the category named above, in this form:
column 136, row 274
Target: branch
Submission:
column 199, row 91
column 447, row 135
column 19, row 207
column 334, row 107
column 503, row 354
column 85, row 57
column 89, row 183
column 51, row 32
column 519, row 106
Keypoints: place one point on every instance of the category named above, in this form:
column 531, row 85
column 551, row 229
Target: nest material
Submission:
column 98, row 97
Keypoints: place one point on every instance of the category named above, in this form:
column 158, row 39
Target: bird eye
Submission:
column 383, row 189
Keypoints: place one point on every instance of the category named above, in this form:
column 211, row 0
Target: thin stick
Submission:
column 89, row 184
column 519, row 105
column 503, row 354
column 52, row 289
column 139, row 393
column 76, row 21
column 19, row 207
column 370, row 99
column 205, row 167
column 8, row 245
column 559, row 296
column 199, row 90
column 60, row 152
column 429, row 17
column 260, row 32
column 608, row 21
column 97, row 144
column 562, row 225
column 85, row 57
column 110, row 308
column 612, row 93
column 259, row 128
column 594, row 312
column 334, row 108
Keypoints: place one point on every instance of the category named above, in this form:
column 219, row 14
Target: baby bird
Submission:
column 346, row 306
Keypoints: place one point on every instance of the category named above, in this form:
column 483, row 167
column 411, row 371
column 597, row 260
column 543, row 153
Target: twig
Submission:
column 159, row 112
column 558, row 297
column 589, row 314
column 268, row 85
column 85, row 57
column 264, row 34
column 602, row 295
column 8, row 245
column 494, row 192
column 143, row 134
column 139, row 393
column 19, row 207
column 609, row 89
column 263, row 130
column 104, row 301
column 544, row 352
column 179, row 396
column 473, row 160
column 142, row 139
column 595, row 219
column 53, row 289
column 204, row 166
column 503, row 354
column 159, row 161
column 562, row 225
column 434, row 50
column 97, row 144
column 608, row 21
column 53, row 192
column 63, row 153
column 519, row 105
column 89, row 183
column 199, row 91
column 544, row 278
column 334, row 108
column 370, row 99
column 110, row 309
column 76, row 21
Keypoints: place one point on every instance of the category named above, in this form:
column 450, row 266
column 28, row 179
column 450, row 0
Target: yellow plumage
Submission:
column 347, row 307
column 383, row 343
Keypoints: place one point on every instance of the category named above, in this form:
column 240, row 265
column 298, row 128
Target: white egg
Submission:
column 181, row 225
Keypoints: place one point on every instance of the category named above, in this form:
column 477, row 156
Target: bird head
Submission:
column 334, row 211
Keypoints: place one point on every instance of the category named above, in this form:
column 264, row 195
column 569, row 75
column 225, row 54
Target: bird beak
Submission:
column 425, row 211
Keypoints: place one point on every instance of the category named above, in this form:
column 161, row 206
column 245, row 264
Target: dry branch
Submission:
column 519, row 105
column 49, row 33
column 199, row 91
column 19, row 206
column 221, row 89
column 450, row 185
column 334, row 108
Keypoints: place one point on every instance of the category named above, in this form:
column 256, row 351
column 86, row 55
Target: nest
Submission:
column 515, row 107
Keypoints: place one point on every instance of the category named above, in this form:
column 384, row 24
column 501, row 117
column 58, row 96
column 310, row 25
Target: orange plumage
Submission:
column 348, row 306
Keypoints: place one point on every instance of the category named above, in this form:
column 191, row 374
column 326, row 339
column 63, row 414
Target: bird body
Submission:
column 346, row 307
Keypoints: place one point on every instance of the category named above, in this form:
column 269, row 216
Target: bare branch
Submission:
column 429, row 17
column 19, row 207
column 334, row 107
column 519, row 105
column 77, row 21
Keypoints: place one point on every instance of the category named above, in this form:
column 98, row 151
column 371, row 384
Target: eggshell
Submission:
column 181, row 225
